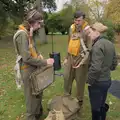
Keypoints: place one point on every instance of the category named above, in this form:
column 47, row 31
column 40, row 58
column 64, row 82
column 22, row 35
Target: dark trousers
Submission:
column 98, row 94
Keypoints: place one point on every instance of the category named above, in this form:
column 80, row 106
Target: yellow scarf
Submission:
column 31, row 48
column 74, row 44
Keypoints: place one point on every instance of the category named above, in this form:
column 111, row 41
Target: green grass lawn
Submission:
column 12, row 103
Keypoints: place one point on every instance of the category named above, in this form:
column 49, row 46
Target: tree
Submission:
column 54, row 22
column 3, row 19
column 96, row 8
column 15, row 9
column 49, row 4
column 93, row 9
column 77, row 3
column 112, row 11
column 41, row 32
column 66, row 16
column 61, row 20
column 110, row 33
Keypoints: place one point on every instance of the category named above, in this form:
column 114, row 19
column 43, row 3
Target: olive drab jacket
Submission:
column 79, row 44
column 27, row 49
column 102, row 60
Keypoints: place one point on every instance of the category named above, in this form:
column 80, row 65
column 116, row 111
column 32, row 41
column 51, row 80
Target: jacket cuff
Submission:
column 44, row 62
column 90, row 81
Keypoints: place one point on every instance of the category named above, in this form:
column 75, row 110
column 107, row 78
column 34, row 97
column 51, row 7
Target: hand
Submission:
column 77, row 66
column 50, row 61
column 65, row 61
column 40, row 57
column 89, row 85
column 80, row 64
column 31, row 31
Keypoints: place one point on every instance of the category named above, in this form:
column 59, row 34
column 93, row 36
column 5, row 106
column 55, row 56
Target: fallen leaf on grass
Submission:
column 18, row 118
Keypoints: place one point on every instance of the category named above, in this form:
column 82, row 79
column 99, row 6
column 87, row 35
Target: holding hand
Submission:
column 40, row 57
column 65, row 61
column 88, row 84
column 31, row 31
column 50, row 61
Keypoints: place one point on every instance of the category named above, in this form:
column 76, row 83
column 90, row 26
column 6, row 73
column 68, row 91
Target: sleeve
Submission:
column 114, row 62
column 69, row 36
column 25, row 53
column 96, row 64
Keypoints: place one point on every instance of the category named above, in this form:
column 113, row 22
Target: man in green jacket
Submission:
column 30, row 60
column 102, row 61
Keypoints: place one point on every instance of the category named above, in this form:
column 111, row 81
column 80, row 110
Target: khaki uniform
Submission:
column 79, row 74
column 28, row 65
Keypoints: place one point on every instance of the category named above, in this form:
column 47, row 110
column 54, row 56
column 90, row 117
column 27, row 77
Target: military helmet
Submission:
column 78, row 14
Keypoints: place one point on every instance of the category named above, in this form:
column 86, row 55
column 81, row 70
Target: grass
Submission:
column 12, row 103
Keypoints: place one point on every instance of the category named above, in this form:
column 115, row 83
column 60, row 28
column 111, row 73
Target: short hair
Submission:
column 78, row 14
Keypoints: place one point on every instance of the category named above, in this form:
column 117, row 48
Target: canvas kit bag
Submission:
column 66, row 106
column 41, row 78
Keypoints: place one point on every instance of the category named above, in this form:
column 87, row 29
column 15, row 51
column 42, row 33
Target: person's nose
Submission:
column 39, row 26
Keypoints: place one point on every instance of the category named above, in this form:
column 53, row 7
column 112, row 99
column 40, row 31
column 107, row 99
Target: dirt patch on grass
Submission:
column 3, row 66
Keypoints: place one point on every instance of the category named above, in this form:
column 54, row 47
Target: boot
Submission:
column 104, row 111
column 106, row 107
column 96, row 115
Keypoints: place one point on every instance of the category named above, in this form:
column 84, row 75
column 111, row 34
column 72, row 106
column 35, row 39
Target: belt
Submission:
column 24, row 67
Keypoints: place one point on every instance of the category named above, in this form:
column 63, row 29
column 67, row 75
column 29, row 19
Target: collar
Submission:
column 96, row 40
column 22, row 27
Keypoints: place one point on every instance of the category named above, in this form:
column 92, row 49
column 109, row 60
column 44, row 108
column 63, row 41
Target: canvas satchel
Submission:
column 69, row 106
column 41, row 78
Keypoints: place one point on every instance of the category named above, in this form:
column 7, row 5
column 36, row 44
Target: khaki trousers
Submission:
column 33, row 103
column 78, row 74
